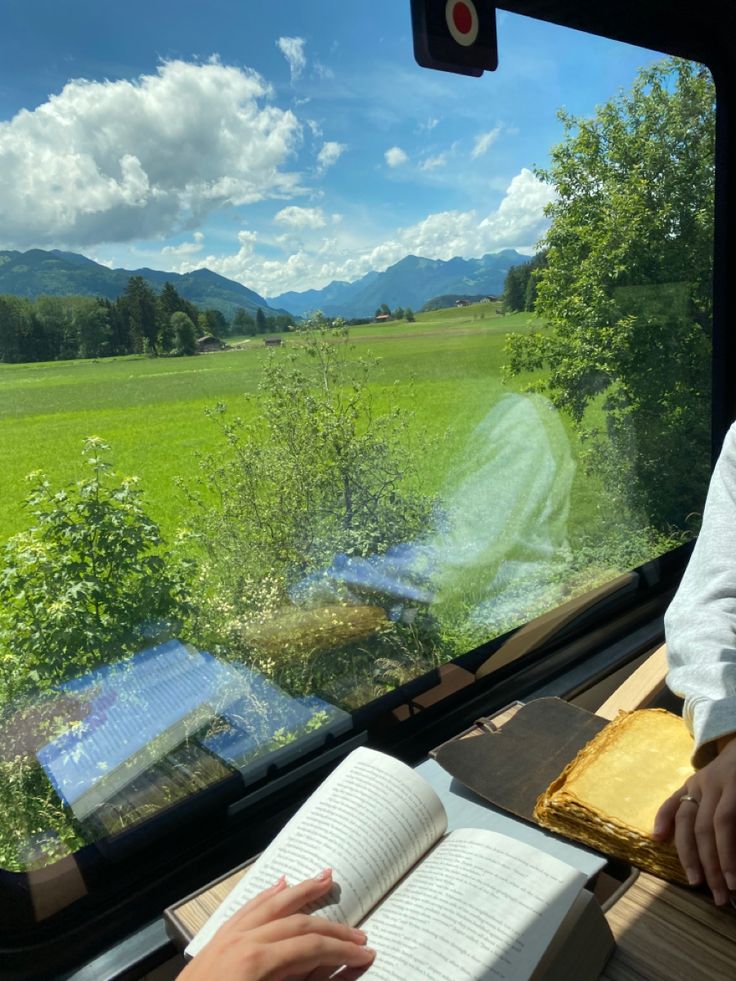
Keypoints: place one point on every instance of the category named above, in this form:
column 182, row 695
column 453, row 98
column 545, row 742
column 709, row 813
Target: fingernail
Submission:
column 323, row 875
column 693, row 876
column 369, row 953
column 720, row 897
column 281, row 882
column 360, row 936
column 730, row 880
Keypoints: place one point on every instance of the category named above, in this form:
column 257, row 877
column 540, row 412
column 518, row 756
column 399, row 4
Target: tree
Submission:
column 140, row 305
column 626, row 293
column 319, row 472
column 243, row 322
column 214, row 322
column 185, row 334
column 87, row 583
column 409, row 315
column 15, row 329
column 260, row 321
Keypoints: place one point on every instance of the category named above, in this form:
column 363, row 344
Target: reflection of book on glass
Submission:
column 471, row 904
column 609, row 794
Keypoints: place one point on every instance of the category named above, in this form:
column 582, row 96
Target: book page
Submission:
column 370, row 821
column 479, row 906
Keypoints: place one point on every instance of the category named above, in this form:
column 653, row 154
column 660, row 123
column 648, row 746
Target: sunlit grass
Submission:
column 445, row 369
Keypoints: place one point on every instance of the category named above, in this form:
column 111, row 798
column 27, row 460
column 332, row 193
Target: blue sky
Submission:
column 282, row 144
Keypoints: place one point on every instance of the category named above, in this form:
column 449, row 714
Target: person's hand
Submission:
column 269, row 940
column 704, row 829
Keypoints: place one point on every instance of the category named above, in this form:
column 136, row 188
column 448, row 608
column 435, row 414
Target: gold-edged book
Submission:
column 608, row 795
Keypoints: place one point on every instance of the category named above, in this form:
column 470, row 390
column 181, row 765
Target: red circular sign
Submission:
column 462, row 21
column 462, row 17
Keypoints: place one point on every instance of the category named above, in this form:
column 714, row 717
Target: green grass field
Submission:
column 445, row 368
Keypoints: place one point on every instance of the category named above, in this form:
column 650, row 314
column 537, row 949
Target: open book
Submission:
column 471, row 904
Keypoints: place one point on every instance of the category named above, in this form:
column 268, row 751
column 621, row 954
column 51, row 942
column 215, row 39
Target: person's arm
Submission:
column 700, row 625
column 269, row 939
column 700, row 629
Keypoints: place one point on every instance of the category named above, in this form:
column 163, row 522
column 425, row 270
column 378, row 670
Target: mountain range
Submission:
column 37, row 273
column 410, row 282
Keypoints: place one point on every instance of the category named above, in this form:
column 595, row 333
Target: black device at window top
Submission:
column 455, row 35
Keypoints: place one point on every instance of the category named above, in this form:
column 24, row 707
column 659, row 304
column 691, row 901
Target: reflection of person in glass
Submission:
column 500, row 534
column 700, row 628
column 269, row 939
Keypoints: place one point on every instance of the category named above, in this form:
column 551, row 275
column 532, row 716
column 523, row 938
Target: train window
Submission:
column 318, row 371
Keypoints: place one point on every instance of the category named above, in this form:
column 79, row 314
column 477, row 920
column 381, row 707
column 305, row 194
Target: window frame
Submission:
column 142, row 876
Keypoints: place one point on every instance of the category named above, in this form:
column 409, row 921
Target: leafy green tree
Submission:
column 16, row 329
column 513, row 290
column 318, row 472
column 399, row 313
column 626, row 293
column 88, row 583
column 185, row 334
column 243, row 322
column 409, row 315
column 140, row 305
column 214, row 322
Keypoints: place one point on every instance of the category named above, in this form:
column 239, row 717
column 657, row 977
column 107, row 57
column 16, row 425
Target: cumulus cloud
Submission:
column 518, row 223
column 330, row 152
column 484, row 141
column 301, row 218
column 395, row 156
column 292, row 48
column 116, row 161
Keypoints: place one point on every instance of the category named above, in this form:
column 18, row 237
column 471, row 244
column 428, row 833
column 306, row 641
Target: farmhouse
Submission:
column 208, row 343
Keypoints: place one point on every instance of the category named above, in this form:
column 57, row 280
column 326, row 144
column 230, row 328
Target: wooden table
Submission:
column 663, row 932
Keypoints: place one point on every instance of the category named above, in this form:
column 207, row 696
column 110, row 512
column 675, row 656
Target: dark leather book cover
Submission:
column 511, row 766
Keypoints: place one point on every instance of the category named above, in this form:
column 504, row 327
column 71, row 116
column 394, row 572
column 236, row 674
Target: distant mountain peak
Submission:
column 409, row 282
column 54, row 272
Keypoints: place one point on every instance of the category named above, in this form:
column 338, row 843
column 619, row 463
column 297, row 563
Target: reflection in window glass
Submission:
column 325, row 370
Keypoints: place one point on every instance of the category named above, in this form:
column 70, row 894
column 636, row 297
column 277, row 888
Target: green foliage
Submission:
column 520, row 285
column 318, row 472
column 139, row 303
column 185, row 334
column 243, row 322
column 626, row 293
column 88, row 583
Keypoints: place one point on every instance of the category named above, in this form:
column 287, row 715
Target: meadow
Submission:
column 445, row 368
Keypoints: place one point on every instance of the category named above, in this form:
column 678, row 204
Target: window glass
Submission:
column 318, row 370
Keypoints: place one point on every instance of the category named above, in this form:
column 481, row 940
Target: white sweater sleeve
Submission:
column 700, row 625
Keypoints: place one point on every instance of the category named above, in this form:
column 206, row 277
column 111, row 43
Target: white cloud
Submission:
column 517, row 223
column 292, row 48
column 185, row 248
column 301, row 218
column 116, row 161
column 329, row 154
column 395, row 156
column 323, row 71
column 429, row 125
column 432, row 163
column 484, row 141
